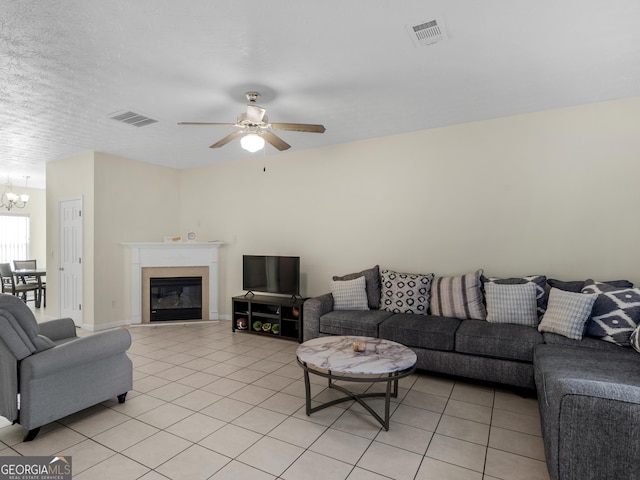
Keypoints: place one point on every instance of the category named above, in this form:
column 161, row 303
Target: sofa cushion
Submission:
column 353, row 322
column 586, row 342
column 615, row 314
column 349, row 294
column 458, row 297
column 405, row 292
column 539, row 281
column 498, row 340
column 576, row 286
column 567, row 313
column 511, row 303
column 372, row 279
column 421, row 331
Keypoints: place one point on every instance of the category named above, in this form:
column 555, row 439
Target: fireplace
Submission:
column 175, row 298
column 175, row 291
column 183, row 259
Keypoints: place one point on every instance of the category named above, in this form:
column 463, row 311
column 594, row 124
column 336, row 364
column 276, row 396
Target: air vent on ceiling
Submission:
column 427, row 33
column 133, row 118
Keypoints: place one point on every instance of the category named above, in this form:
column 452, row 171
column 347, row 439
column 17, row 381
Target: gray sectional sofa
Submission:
column 588, row 390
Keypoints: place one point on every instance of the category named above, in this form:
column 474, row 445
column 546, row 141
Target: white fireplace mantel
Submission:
column 181, row 254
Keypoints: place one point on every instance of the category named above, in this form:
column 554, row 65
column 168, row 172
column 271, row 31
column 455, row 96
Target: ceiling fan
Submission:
column 256, row 128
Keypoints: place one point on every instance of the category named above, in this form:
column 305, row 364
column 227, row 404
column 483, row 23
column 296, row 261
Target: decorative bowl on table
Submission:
column 257, row 325
column 275, row 329
column 266, row 327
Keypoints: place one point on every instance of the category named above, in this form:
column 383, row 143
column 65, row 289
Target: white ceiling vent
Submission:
column 132, row 118
column 427, row 33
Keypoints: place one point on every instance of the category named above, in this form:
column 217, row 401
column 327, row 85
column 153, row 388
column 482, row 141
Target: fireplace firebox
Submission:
column 175, row 298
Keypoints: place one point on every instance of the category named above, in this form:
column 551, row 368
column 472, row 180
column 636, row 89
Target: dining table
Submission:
column 38, row 273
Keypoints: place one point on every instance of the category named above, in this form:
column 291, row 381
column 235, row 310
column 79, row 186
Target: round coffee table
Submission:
column 335, row 359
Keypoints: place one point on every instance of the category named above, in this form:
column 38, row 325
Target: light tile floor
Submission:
column 211, row 404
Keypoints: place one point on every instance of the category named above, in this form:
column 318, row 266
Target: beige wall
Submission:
column 135, row 202
column 67, row 179
column 123, row 201
column 552, row 193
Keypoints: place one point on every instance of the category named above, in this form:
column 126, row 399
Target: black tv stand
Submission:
column 284, row 312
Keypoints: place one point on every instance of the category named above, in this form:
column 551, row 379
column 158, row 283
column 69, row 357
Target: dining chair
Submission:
column 31, row 265
column 9, row 284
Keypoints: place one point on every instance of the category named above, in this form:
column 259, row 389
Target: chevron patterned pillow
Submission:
column 616, row 313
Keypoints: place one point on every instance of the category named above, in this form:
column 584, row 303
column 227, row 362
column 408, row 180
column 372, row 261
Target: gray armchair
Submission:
column 47, row 373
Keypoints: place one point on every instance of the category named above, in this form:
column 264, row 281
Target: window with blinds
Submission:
column 14, row 237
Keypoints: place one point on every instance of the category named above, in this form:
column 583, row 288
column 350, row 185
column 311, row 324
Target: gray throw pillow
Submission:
column 372, row 278
column 567, row 313
column 576, row 286
column 515, row 304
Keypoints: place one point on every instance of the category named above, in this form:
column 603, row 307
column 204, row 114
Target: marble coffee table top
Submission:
column 336, row 354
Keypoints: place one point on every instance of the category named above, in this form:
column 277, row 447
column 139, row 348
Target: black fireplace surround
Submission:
column 175, row 298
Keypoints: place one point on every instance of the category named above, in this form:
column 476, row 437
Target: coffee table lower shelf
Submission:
column 390, row 378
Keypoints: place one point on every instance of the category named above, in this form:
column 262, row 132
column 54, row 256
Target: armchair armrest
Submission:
column 58, row 329
column 313, row 309
column 78, row 352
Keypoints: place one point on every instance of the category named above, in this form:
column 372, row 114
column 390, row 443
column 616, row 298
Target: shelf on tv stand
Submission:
column 286, row 312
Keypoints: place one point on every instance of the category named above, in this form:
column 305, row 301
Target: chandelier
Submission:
column 10, row 199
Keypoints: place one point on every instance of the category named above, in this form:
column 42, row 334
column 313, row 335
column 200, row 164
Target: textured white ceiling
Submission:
column 350, row 65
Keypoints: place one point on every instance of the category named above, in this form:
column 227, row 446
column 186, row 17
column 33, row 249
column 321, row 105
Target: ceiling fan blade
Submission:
column 208, row 123
column 255, row 113
column 223, row 141
column 275, row 141
column 299, row 127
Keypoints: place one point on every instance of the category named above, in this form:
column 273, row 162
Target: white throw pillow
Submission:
column 514, row 304
column 349, row 294
column 567, row 313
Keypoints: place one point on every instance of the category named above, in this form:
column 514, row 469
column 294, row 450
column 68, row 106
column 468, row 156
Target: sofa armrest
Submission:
column 82, row 351
column 312, row 310
column 58, row 329
column 597, row 433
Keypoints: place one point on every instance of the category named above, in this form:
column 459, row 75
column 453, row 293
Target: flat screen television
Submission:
column 271, row 274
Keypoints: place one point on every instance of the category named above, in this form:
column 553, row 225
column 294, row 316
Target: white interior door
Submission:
column 71, row 259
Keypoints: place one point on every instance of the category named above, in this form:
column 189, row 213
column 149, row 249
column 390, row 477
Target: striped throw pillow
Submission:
column 458, row 297
column 514, row 304
column 349, row 294
column 567, row 313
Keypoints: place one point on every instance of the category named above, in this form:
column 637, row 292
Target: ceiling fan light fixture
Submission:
column 252, row 142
